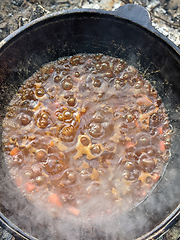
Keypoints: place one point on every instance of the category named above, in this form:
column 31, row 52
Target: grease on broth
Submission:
column 86, row 135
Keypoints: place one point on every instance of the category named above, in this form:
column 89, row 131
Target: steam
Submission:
column 35, row 221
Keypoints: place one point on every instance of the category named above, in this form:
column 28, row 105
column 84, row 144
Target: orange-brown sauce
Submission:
column 87, row 135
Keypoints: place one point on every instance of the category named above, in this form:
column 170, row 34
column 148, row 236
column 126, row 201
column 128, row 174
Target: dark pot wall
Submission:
column 91, row 32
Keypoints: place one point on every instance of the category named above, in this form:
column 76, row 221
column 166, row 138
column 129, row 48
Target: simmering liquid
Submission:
column 86, row 135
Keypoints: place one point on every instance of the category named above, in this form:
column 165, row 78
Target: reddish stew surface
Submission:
column 86, row 135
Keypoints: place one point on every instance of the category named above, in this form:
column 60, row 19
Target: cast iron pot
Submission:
column 125, row 33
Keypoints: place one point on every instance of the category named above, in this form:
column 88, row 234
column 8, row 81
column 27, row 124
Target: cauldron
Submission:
column 125, row 33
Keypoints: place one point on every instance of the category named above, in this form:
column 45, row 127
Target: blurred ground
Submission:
column 165, row 18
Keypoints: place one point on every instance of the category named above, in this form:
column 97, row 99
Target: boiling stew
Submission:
column 86, row 135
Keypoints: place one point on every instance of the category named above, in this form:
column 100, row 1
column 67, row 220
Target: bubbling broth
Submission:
column 86, row 135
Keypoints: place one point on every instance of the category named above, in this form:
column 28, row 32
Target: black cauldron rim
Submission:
column 129, row 13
